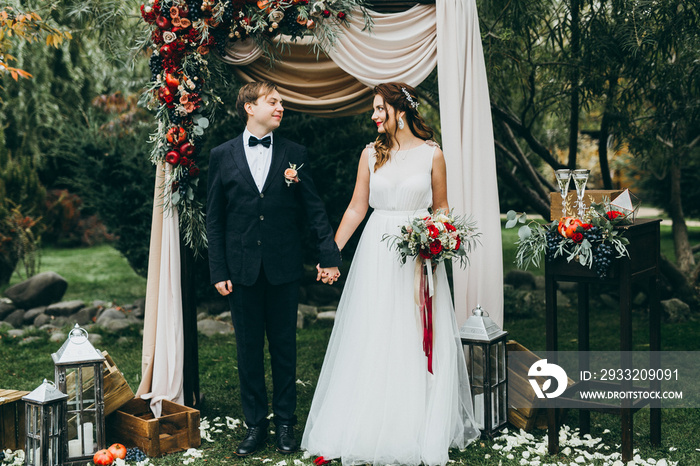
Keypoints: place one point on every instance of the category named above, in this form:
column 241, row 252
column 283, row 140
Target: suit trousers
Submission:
column 259, row 310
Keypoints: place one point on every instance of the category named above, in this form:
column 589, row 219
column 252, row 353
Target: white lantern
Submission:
column 78, row 369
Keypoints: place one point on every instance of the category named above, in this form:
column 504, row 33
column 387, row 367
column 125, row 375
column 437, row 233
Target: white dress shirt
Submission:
column 259, row 158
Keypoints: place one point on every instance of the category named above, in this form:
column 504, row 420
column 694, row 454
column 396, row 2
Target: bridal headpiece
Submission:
column 414, row 104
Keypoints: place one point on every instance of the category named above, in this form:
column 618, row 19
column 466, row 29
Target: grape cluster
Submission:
column 195, row 7
column 134, row 454
column 155, row 63
column 553, row 240
column 593, row 235
column 602, row 259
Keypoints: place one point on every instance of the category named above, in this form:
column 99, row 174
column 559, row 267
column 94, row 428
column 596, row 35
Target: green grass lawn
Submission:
column 101, row 273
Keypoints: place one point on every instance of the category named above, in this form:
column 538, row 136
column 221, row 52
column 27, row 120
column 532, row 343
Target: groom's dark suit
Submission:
column 255, row 241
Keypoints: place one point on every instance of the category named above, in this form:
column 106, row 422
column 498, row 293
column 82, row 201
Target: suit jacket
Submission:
column 248, row 228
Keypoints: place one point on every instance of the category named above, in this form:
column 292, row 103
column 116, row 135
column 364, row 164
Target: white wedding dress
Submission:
column 375, row 401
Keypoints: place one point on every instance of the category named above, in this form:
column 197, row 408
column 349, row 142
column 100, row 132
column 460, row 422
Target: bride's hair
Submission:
column 400, row 97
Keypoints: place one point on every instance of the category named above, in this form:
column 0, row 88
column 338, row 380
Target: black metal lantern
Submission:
column 78, row 369
column 45, row 419
column 488, row 371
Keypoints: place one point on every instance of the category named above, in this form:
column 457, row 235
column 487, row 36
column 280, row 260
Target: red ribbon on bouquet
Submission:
column 424, row 298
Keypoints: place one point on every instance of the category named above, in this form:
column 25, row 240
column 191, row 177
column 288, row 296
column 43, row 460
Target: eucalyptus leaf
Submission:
column 524, row 232
column 175, row 198
column 511, row 215
column 203, row 122
column 198, row 130
column 511, row 222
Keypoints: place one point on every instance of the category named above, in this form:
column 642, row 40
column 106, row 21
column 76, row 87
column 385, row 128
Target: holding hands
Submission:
column 327, row 274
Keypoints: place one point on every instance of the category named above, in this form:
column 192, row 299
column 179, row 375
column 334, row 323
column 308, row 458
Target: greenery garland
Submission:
column 182, row 33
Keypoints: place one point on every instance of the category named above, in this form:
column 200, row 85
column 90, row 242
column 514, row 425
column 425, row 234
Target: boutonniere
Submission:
column 291, row 174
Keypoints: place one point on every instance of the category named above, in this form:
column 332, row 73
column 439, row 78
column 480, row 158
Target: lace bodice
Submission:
column 404, row 182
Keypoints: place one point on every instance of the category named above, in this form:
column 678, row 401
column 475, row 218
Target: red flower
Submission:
column 587, row 226
column 184, row 161
column 326, row 13
column 424, row 254
column 433, row 231
column 577, row 237
column 435, row 248
column 320, row 461
column 341, row 15
column 194, row 172
column 459, row 243
column 613, row 214
column 449, row 227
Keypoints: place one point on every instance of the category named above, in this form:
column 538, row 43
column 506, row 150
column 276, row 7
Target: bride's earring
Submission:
column 401, row 124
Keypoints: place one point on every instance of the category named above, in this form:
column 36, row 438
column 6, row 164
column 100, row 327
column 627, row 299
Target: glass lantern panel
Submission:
column 502, row 392
column 493, row 356
column 495, row 407
column 479, row 408
column 502, row 365
column 476, row 366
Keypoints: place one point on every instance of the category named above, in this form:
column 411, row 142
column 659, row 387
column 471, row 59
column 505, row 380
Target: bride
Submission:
column 375, row 401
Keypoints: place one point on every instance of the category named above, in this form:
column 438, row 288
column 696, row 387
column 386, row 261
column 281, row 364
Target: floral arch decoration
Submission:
column 182, row 33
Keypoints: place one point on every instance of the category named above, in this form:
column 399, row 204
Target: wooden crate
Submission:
column 12, row 419
column 590, row 195
column 524, row 408
column 116, row 389
column 135, row 426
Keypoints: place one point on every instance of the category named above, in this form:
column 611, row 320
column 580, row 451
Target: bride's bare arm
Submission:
column 357, row 209
column 439, row 181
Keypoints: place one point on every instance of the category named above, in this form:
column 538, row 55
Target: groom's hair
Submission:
column 251, row 92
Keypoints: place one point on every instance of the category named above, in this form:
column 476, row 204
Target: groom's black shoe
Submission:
column 254, row 439
column 285, row 439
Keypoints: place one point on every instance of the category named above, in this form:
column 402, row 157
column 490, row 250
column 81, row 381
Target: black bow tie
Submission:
column 266, row 141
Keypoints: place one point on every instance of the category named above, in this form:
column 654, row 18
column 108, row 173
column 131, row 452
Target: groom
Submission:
column 259, row 189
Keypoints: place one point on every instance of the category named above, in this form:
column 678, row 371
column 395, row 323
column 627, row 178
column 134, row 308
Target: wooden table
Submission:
column 641, row 266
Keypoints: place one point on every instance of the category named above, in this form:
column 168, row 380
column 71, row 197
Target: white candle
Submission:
column 479, row 410
column 88, row 437
column 74, row 448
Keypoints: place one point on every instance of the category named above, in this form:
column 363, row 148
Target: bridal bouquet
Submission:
column 439, row 236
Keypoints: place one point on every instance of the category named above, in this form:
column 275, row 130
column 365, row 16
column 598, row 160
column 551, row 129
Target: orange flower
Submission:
column 185, row 23
column 176, row 21
column 189, row 107
column 203, row 50
column 183, row 99
column 174, row 12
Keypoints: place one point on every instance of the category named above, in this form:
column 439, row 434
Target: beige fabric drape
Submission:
column 467, row 140
column 163, row 340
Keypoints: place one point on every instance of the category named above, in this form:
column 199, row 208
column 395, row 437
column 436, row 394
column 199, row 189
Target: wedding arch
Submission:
column 402, row 45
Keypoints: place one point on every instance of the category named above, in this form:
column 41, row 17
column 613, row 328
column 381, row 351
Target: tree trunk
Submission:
column 605, row 132
column 681, row 244
column 680, row 285
column 574, row 80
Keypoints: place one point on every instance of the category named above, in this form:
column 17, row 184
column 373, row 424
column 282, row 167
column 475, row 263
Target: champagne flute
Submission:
column 580, row 177
column 563, row 178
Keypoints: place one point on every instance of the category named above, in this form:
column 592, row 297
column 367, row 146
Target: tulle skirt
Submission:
column 375, row 401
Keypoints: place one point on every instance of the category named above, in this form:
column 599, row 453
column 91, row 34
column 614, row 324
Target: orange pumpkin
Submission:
column 103, row 457
column 117, row 450
column 568, row 225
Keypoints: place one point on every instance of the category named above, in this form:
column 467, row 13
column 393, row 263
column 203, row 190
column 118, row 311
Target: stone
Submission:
column 117, row 325
column 16, row 319
column 327, row 316
column 60, row 321
column 563, row 301
column 84, row 316
column 609, row 301
column 139, row 309
column 309, row 312
column 58, row 337
column 300, row 320
column 567, row 287
column 202, row 316
column 6, row 309
column 225, row 317
column 675, row 310
column 109, row 314
column 28, row 340
column 41, row 320
column 40, row 290
column 65, row 308
column 639, row 299
column 31, row 314
column 520, row 279
column 5, row 326
column 210, row 327
column 16, row 333
column 94, row 338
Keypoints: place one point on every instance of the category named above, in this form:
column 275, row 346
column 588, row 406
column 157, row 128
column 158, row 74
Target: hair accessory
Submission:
column 401, row 123
column 413, row 103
